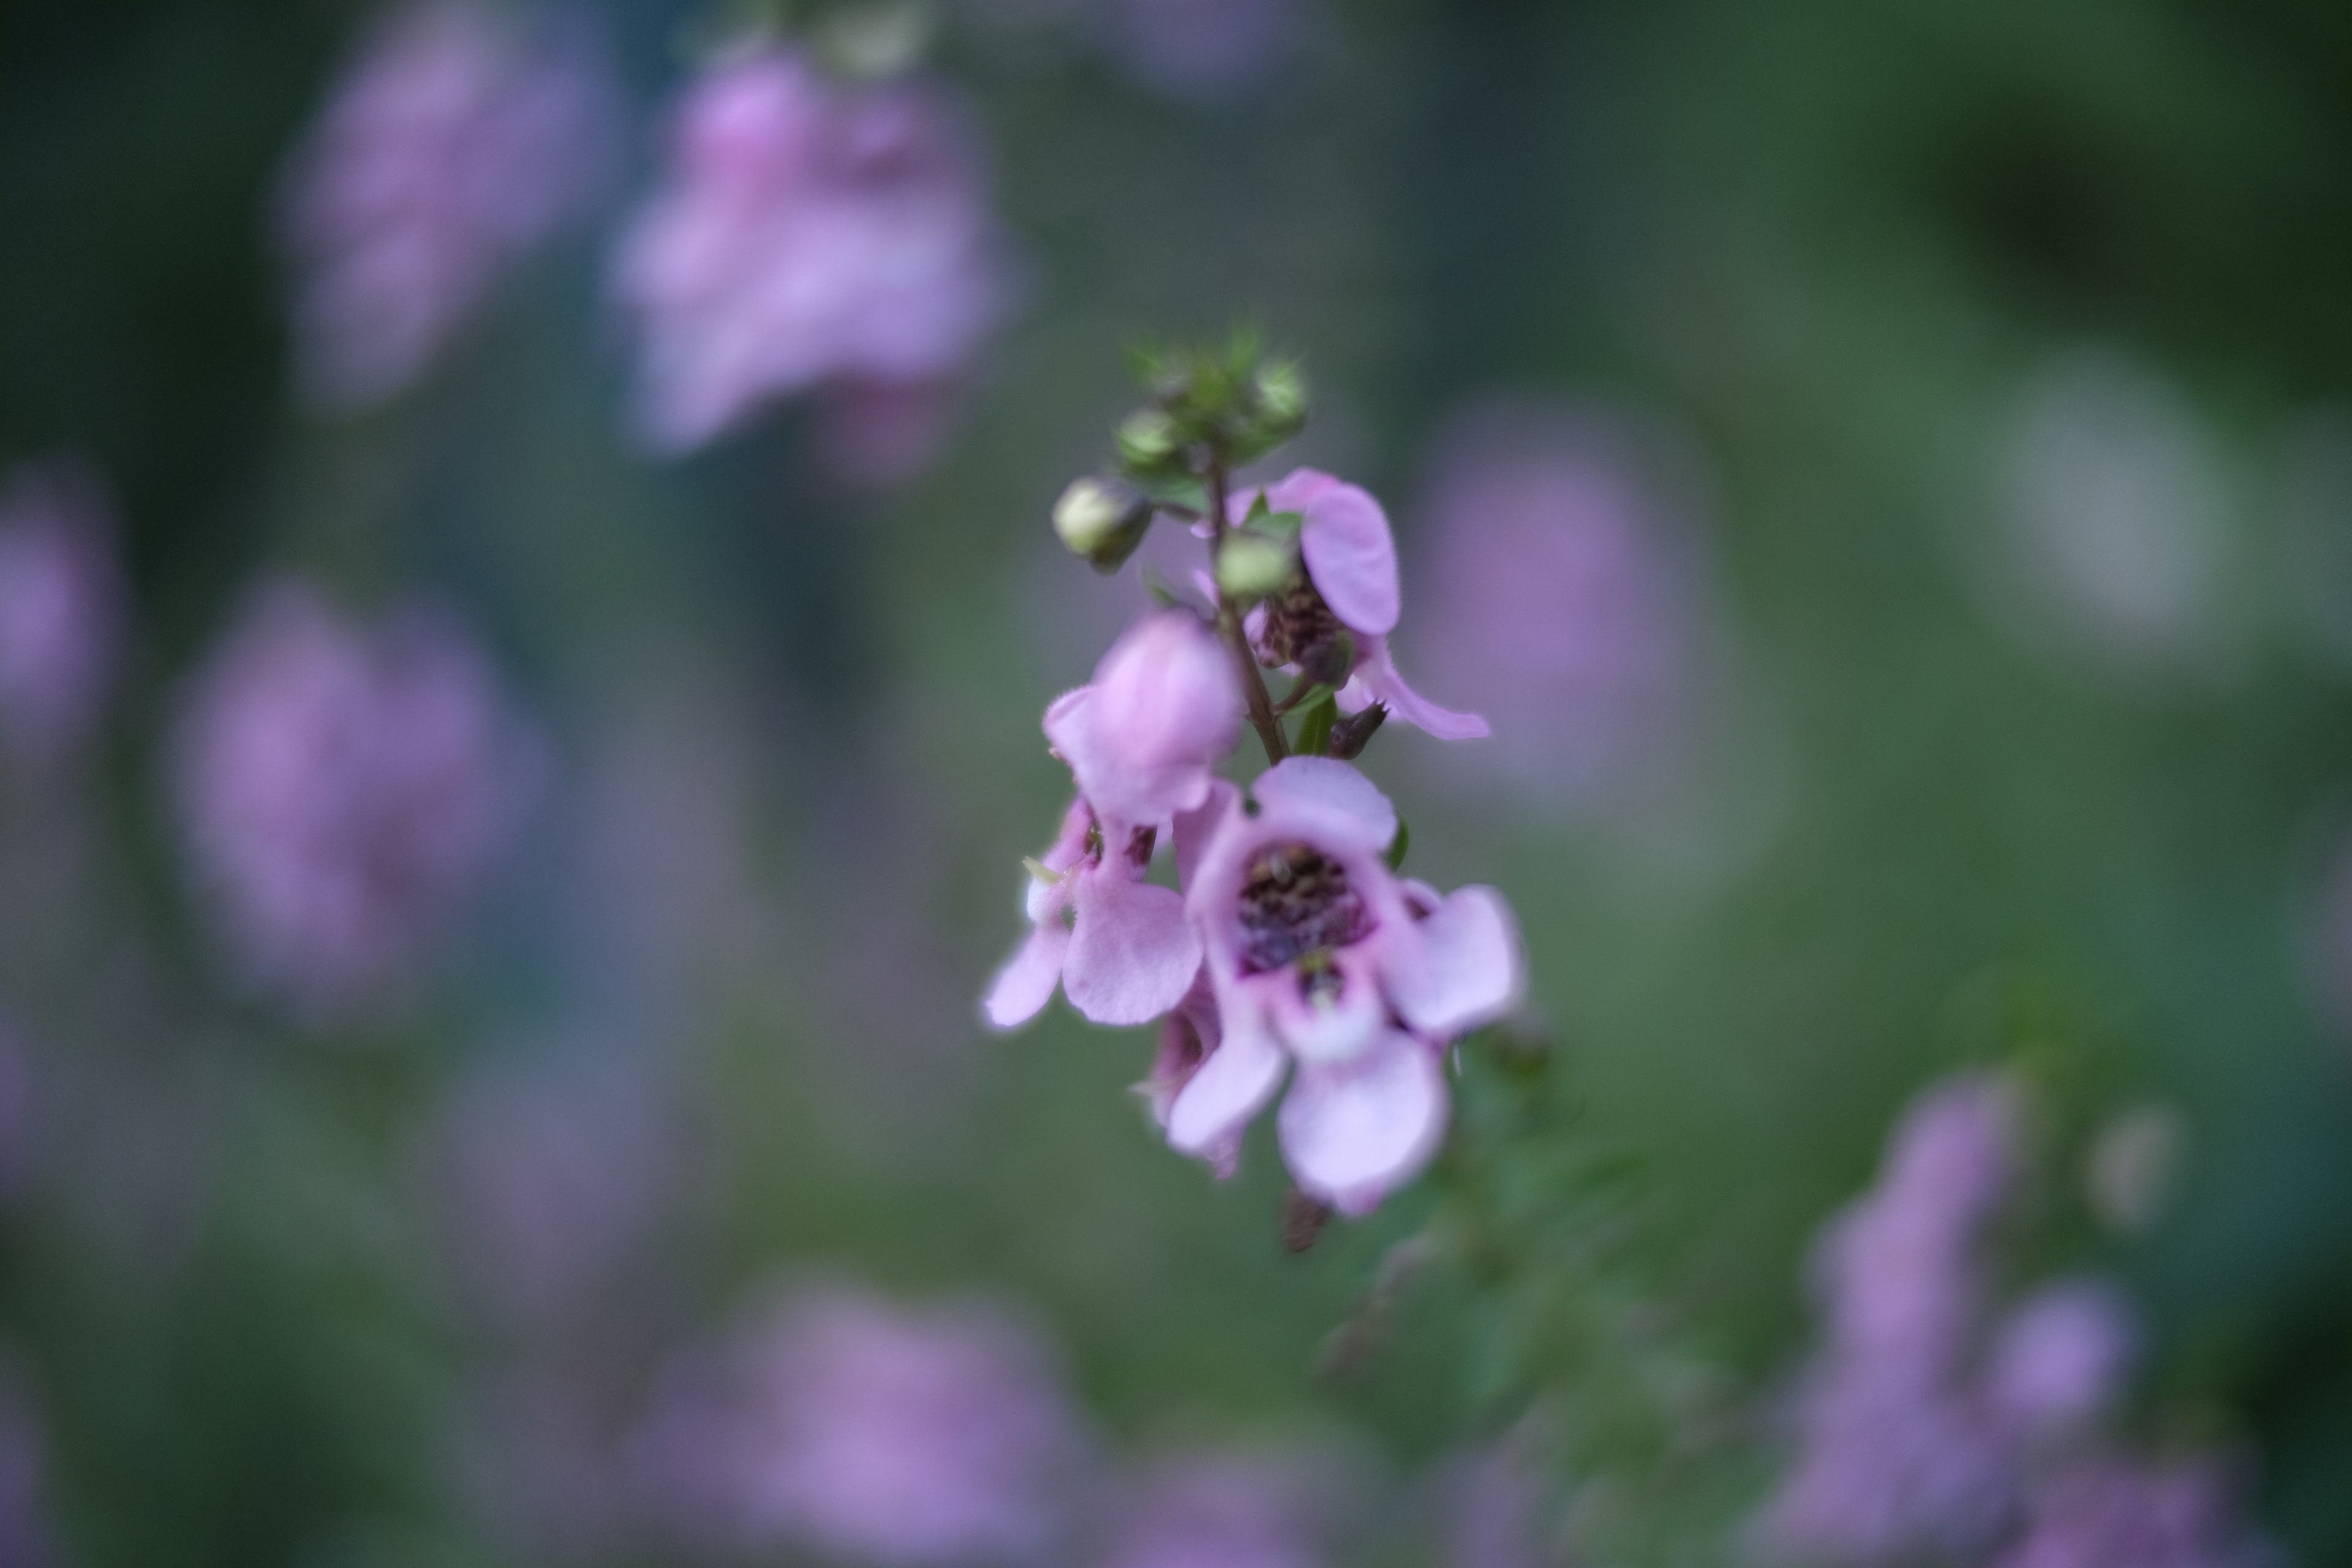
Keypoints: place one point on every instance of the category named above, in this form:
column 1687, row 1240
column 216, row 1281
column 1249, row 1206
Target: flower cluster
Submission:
column 808, row 233
column 60, row 604
column 454, row 144
column 1290, row 945
column 341, row 786
column 1927, row 1430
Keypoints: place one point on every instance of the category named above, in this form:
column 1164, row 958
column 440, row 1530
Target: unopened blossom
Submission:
column 1559, row 588
column 1164, row 707
column 873, row 1433
column 1895, row 1457
column 341, row 785
column 2110, row 1512
column 1319, row 957
column 2060, row 1357
column 61, row 609
column 1231, row 1510
column 455, row 143
column 1335, row 620
column 805, row 233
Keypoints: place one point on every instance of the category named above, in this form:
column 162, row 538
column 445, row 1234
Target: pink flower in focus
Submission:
column 1318, row 955
column 1164, row 708
column 873, row 1433
column 341, row 788
column 1350, row 587
column 61, row 609
column 809, row 233
column 1558, row 587
column 454, row 144
column 1117, row 945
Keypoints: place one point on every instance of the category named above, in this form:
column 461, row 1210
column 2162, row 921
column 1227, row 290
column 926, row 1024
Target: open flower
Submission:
column 1344, row 603
column 1117, row 945
column 1317, row 954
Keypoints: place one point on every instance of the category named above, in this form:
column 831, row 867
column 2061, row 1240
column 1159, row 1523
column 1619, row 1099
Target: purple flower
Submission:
column 875, row 1433
column 1117, row 945
column 1558, row 586
column 1349, row 590
column 2060, row 1356
column 2103, row 1513
column 1894, row 1455
column 809, row 233
column 455, row 143
column 61, row 609
column 341, row 787
column 1164, row 707
column 1318, row 955
column 1219, row 1511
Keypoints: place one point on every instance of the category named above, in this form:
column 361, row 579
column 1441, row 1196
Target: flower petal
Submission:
column 1025, row 983
column 1376, row 681
column 1351, row 1134
column 1349, row 550
column 1132, row 954
column 1469, row 970
column 1195, row 828
column 1232, row 1086
column 1328, row 788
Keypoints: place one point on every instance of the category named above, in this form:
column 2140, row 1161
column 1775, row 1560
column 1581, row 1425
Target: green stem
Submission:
column 1229, row 625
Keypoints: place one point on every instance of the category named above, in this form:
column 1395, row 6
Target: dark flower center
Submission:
column 1296, row 901
column 1301, row 629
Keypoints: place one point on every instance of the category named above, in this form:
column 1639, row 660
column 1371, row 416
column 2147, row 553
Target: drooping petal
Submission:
column 1025, row 983
column 1469, row 969
column 1347, row 801
column 1352, row 1133
column 1348, row 549
column 1132, row 954
column 1232, row 1086
column 1376, row 681
column 1165, row 705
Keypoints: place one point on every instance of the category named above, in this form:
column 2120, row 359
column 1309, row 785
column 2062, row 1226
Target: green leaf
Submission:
column 1315, row 725
column 1399, row 845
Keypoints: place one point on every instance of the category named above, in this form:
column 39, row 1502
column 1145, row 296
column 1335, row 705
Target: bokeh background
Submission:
column 1884, row 471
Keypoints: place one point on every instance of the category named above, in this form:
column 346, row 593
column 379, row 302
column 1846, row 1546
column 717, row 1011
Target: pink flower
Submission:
column 809, row 233
column 1224, row 1511
column 2060, row 1357
column 453, row 145
column 341, row 787
column 1317, row 955
column 1117, row 945
column 60, row 605
column 1164, row 708
column 1349, row 586
column 2107, row 1512
column 872, row 1433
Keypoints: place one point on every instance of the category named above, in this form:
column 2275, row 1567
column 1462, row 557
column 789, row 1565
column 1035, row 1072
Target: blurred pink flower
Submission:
column 552, row 1187
column 61, row 609
column 873, row 1433
column 2105, row 1513
column 1561, row 592
column 1226, row 1510
column 1200, row 48
column 809, row 233
column 2060, row 1357
column 1894, row 1457
column 341, row 787
column 455, row 143
column 1347, row 603
column 1317, row 954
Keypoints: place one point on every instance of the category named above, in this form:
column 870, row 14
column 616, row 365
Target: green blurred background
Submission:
column 1835, row 248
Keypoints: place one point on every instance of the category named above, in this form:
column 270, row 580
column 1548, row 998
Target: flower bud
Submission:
column 1351, row 734
column 1149, row 442
column 1282, row 397
column 1102, row 521
column 1251, row 567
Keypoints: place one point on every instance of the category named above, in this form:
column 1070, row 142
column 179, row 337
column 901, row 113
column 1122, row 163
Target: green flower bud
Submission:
column 1148, row 441
column 1102, row 521
column 1251, row 567
column 1282, row 395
